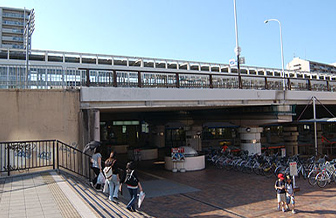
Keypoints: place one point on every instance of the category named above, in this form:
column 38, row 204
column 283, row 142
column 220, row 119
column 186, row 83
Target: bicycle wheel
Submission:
column 322, row 179
column 311, row 178
column 304, row 174
column 256, row 169
column 268, row 171
column 248, row 169
column 228, row 165
column 278, row 170
column 240, row 166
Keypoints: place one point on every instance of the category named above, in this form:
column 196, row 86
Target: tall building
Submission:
column 12, row 30
column 298, row 64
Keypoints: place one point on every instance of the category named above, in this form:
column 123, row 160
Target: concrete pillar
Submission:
column 90, row 125
column 291, row 135
column 96, row 121
column 158, row 136
column 250, row 139
column 84, row 127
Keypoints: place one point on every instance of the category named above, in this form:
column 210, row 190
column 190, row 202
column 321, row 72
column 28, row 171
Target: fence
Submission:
column 22, row 156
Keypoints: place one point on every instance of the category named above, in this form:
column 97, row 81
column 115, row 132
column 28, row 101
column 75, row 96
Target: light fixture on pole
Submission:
column 282, row 55
column 28, row 32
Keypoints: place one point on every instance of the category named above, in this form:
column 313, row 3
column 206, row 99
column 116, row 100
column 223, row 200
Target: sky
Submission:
column 192, row 30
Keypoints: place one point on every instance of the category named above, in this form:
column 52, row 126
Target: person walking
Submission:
column 281, row 191
column 96, row 166
column 133, row 183
column 113, row 181
column 290, row 193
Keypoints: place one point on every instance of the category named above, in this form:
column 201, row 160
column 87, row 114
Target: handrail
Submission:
column 21, row 156
column 58, row 77
column 56, row 69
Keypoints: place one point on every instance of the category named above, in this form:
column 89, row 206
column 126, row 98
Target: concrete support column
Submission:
column 90, row 125
column 250, row 139
column 96, row 126
column 193, row 137
column 291, row 135
column 158, row 136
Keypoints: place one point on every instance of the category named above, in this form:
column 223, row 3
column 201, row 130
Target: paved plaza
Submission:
column 234, row 194
column 208, row 193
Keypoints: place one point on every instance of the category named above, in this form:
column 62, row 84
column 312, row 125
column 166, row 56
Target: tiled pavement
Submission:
column 39, row 195
column 207, row 193
column 234, row 194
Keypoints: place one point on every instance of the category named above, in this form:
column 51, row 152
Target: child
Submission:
column 290, row 193
column 281, row 191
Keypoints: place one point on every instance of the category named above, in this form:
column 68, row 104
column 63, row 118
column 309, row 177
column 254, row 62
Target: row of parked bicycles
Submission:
column 317, row 171
column 323, row 173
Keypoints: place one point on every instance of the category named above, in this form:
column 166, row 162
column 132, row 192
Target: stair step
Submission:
column 98, row 201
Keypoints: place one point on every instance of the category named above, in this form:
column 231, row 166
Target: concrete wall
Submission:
column 40, row 114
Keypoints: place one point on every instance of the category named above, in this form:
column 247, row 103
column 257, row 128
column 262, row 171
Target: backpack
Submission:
column 108, row 172
column 131, row 180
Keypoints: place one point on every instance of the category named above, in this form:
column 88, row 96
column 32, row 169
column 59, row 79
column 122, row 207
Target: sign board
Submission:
column 232, row 62
column 283, row 152
column 177, row 154
column 293, row 169
column 242, row 60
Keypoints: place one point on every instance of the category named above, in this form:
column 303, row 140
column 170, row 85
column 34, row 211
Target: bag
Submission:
column 108, row 172
column 106, row 187
column 131, row 180
column 101, row 179
column 141, row 198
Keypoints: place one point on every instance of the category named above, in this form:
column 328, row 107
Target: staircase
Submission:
column 21, row 158
column 99, row 201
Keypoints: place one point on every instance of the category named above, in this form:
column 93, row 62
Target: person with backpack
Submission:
column 133, row 183
column 111, row 171
column 290, row 193
column 281, row 191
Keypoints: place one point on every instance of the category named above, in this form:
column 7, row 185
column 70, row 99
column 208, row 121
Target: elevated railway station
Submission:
column 138, row 103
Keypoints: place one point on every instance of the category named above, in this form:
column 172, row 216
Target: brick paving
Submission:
column 208, row 193
column 233, row 194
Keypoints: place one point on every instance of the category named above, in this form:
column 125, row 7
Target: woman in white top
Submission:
column 96, row 166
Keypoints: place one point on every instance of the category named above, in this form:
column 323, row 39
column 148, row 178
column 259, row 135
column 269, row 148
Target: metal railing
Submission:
column 25, row 156
column 61, row 70
column 42, row 77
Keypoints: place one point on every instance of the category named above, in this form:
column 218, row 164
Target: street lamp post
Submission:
column 28, row 32
column 237, row 49
column 282, row 55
